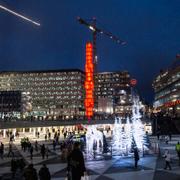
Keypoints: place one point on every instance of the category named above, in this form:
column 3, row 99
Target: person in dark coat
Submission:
column 44, row 173
column 76, row 166
column 30, row 173
column 136, row 157
column 43, row 150
column 36, row 146
column 13, row 167
column 31, row 152
column 2, row 150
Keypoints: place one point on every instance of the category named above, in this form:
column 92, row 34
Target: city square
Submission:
column 89, row 90
column 151, row 165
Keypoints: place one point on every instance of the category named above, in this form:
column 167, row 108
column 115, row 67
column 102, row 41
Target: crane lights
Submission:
column 89, row 81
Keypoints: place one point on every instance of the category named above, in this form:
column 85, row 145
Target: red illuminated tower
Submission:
column 89, row 81
column 91, row 63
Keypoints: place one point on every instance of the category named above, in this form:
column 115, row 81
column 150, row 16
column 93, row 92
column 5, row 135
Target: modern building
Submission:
column 167, row 90
column 113, row 92
column 57, row 93
column 61, row 93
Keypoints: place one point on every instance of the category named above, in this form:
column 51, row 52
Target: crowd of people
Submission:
column 22, row 172
column 71, row 152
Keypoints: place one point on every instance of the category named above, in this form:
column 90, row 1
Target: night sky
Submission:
column 151, row 28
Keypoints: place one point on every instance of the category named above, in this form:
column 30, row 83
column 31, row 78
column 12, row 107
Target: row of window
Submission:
column 55, row 93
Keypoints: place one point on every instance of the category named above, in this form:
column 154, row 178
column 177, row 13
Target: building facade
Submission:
column 167, row 90
column 61, row 93
column 52, row 93
column 113, row 92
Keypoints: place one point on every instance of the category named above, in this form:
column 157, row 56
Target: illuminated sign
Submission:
column 133, row 82
column 89, row 81
column 172, row 103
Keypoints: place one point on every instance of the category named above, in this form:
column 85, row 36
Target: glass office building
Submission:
column 167, row 89
column 113, row 92
column 52, row 93
column 60, row 93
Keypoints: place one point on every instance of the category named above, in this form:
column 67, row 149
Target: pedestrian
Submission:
column 178, row 151
column 38, row 135
column 166, row 139
column 31, row 152
column 45, row 137
column 10, row 150
column 76, row 166
column 36, row 146
column 65, row 134
column 18, row 174
column 44, row 173
column 167, row 157
column 54, row 145
column 47, row 152
column 49, row 135
column 43, row 151
column 30, row 173
column 13, row 167
column 2, row 150
column 136, row 157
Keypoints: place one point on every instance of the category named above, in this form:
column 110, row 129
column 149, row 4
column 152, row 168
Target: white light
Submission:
column 19, row 15
column 123, row 134
column 93, row 136
column 122, row 101
column 92, row 28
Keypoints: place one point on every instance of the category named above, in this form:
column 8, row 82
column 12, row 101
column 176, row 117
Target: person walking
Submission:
column 76, row 166
column 47, row 152
column 45, row 137
column 10, row 150
column 44, row 173
column 36, row 146
column 13, row 167
column 178, row 151
column 136, row 157
column 49, row 135
column 167, row 157
column 2, row 150
column 43, row 149
column 31, row 152
column 30, row 173
column 54, row 145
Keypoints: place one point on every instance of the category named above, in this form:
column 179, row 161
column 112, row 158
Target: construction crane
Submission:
column 91, row 102
column 95, row 30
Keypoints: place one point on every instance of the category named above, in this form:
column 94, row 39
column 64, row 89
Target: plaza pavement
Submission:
column 151, row 167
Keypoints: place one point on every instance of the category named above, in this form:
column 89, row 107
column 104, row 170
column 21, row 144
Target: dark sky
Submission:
column 151, row 28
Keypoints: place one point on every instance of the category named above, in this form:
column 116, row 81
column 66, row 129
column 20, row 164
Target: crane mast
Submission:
column 96, row 30
column 91, row 82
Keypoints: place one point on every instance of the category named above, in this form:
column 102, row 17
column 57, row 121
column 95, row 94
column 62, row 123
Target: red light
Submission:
column 89, row 81
column 133, row 82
